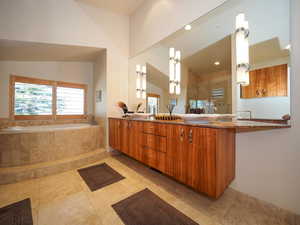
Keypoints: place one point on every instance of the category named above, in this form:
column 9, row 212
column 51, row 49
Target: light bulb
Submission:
column 144, row 69
column 172, row 53
column 138, row 94
column 188, row 27
column 178, row 89
column 172, row 86
column 138, row 68
column 240, row 19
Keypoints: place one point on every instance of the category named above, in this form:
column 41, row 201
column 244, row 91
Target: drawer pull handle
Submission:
column 181, row 134
column 191, row 136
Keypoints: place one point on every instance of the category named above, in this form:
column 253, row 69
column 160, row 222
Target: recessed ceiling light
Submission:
column 288, row 47
column 217, row 63
column 188, row 27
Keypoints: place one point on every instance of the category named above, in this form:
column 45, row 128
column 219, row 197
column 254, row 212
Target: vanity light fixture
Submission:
column 188, row 27
column 141, row 83
column 174, row 71
column 217, row 63
column 242, row 50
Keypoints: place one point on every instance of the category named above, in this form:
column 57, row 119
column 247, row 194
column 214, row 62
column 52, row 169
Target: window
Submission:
column 197, row 104
column 43, row 99
column 33, row 99
column 70, row 101
column 217, row 93
column 152, row 103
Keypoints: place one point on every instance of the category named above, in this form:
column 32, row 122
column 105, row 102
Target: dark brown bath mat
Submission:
column 18, row 213
column 146, row 208
column 99, row 176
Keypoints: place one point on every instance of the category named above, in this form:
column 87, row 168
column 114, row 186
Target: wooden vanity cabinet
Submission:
column 125, row 136
column 154, row 145
column 202, row 158
column 267, row 82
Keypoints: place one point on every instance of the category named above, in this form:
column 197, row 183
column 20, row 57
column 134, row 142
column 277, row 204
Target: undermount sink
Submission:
column 207, row 117
column 197, row 122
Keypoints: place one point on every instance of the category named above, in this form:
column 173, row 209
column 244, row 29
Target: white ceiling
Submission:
column 125, row 7
column 268, row 19
column 203, row 61
column 31, row 51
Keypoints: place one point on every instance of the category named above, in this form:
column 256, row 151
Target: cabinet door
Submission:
column 135, row 132
column 202, row 161
column 276, row 81
column 111, row 125
column 177, row 152
column 124, row 136
column 267, row 82
column 114, row 133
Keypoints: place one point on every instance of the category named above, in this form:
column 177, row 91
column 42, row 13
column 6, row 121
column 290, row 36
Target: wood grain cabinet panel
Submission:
column 177, row 154
column 149, row 156
column 114, row 133
column 267, row 82
column 124, row 136
column 155, row 142
column 155, row 128
column 135, row 138
column 202, row 158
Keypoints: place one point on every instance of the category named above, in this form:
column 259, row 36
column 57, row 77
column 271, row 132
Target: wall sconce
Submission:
column 141, row 82
column 175, row 71
column 242, row 50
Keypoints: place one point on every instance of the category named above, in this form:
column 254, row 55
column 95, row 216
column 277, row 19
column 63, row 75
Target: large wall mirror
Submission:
column 208, row 64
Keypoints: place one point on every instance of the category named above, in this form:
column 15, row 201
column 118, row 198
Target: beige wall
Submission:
column 100, row 84
column 72, row 22
column 76, row 72
column 157, row 19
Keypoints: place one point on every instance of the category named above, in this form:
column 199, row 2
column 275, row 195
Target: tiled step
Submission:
column 15, row 174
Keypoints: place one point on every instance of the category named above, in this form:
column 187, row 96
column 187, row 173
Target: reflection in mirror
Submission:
column 208, row 64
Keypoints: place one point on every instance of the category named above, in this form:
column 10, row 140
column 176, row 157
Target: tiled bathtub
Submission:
column 21, row 146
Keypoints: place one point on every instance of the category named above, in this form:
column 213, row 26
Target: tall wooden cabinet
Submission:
column 202, row 158
column 267, row 82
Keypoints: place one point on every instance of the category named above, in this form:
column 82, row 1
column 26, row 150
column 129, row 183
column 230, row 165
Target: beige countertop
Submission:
column 238, row 125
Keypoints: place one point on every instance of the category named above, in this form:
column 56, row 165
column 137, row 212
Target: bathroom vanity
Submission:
column 200, row 154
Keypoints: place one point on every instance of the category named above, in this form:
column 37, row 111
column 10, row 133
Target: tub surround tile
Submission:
column 31, row 148
column 4, row 123
column 20, row 173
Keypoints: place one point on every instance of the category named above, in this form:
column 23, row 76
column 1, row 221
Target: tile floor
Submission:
column 64, row 199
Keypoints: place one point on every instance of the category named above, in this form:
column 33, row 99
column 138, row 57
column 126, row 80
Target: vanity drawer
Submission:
column 150, row 156
column 155, row 142
column 155, row 128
